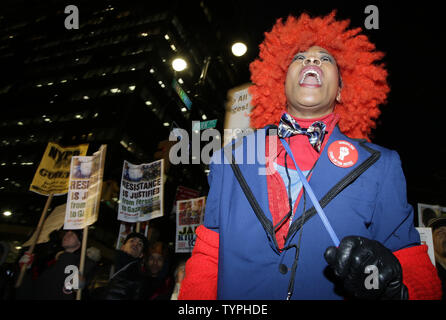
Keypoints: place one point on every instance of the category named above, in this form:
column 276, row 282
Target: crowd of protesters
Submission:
column 143, row 269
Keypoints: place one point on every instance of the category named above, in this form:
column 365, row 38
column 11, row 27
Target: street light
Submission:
column 239, row 49
column 179, row 64
column 7, row 213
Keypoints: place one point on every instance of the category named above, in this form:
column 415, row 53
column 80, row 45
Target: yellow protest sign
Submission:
column 52, row 175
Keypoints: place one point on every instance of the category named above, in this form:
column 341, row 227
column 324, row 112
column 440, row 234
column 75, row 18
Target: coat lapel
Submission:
column 328, row 179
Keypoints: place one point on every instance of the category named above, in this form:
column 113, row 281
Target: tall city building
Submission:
column 109, row 81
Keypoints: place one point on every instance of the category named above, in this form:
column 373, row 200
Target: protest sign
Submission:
column 85, row 188
column 190, row 215
column 53, row 172
column 237, row 117
column 51, row 178
column 183, row 193
column 141, row 195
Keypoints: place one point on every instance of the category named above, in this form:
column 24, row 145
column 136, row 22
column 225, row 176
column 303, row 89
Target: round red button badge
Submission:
column 343, row 154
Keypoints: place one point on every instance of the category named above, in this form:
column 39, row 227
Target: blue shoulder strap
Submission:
column 313, row 198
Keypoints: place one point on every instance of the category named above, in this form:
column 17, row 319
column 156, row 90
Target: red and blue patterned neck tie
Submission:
column 289, row 127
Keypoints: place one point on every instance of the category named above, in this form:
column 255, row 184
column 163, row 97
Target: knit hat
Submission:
column 140, row 236
column 432, row 219
column 437, row 222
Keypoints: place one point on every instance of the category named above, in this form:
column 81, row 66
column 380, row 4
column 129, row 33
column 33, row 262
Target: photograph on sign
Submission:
column 190, row 215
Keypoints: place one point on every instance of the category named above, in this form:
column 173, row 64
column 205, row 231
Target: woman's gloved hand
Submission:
column 368, row 269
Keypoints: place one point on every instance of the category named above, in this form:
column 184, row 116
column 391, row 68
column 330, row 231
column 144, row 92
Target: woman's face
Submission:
column 312, row 83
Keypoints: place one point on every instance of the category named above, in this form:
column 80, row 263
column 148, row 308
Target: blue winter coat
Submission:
column 367, row 199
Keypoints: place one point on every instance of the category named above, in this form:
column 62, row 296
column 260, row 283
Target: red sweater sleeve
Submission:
column 419, row 274
column 200, row 281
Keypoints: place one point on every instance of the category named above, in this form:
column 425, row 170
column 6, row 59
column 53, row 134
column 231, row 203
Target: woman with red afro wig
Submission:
column 364, row 85
column 322, row 85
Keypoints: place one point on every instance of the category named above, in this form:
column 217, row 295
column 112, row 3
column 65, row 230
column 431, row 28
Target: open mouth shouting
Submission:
column 310, row 77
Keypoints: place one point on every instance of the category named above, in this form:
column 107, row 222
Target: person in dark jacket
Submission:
column 53, row 282
column 438, row 225
column 127, row 281
column 159, row 282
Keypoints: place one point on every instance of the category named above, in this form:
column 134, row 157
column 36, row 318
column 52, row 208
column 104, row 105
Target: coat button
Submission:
column 283, row 268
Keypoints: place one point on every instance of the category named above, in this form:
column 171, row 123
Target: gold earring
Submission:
column 338, row 97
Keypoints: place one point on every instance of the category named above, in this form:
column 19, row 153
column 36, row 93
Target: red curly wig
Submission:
column 364, row 81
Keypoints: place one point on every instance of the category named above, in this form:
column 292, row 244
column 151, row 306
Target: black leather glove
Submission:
column 350, row 261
